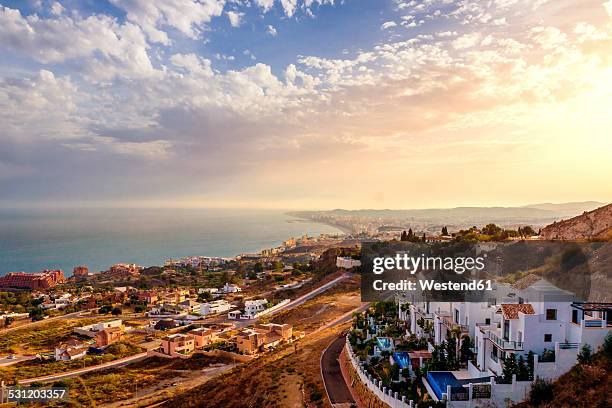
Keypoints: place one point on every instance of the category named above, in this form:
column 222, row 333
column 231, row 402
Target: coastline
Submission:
column 101, row 238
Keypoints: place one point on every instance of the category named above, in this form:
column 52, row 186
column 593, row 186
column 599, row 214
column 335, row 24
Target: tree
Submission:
column 404, row 236
column 522, row 370
column 36, row 314
column 607, row 345
column 106, row 309
column 444, row 230
column 258, row 267
column 116, row 311
column 204, row 296
column 510, row 367
column 466, row 349
column 140, row 309
column 530, row 363
column 8, row 321
column 585, row 356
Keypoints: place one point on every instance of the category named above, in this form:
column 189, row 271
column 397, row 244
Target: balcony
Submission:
column 448, row 322
column 505, row 344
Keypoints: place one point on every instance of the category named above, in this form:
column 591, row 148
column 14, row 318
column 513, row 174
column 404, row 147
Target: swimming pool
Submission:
column 439, row 380
column 384, row 343
column 402, row 359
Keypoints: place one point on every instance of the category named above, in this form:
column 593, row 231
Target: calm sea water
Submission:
column 37, row 239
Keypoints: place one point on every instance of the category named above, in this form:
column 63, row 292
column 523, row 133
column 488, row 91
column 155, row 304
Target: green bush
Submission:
column 541, row 392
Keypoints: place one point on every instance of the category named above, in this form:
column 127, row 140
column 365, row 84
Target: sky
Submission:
column 310, row 104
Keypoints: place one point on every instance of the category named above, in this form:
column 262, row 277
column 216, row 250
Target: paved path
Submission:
column 335, row 387
column 115, row 363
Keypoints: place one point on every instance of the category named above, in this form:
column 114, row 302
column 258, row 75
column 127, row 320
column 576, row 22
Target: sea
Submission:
column 33, row 240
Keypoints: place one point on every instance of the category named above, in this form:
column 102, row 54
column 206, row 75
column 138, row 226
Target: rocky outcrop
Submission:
column 592, row 225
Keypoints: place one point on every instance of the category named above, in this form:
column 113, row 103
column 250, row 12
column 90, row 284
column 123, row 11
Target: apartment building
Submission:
column 179, row 343
column 108, row 336
column 214, row 307
column 33, row 281
column 203, row 336
column 263, row 336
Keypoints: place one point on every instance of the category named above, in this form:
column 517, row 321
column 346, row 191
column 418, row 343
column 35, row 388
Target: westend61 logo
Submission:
column 413, row 265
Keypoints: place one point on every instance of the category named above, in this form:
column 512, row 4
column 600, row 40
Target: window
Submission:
column 551, row 314
column 487, row 321
column 456, row 316
column 575, row 316
column 547, row 338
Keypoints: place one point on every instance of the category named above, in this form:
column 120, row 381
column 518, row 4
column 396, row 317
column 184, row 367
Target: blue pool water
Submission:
column 402, row 359
column 439, row 380
column 384, row 343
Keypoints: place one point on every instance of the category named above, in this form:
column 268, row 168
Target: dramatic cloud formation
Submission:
column 501, row 102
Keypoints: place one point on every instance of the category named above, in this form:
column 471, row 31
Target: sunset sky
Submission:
column 305, row 103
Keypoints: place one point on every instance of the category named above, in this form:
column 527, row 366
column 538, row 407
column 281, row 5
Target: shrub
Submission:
column 607, row 345
column 585, row 355
column 541, row 392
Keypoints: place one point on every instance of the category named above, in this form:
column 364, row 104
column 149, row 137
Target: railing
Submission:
column 506, row 344
column 594, row 323
column 567, row 346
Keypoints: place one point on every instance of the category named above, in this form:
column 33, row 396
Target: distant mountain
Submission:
column 570, row 209
column 596, row 224
column 460, row 217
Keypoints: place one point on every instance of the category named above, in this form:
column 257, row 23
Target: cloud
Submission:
column 289, row 6
column 235, row 18
column 466, row 41
column 272, row 31
column 388, row 24
column 608, row 6
column 266, row 5
column 169, row 116
column 187, row 16
column 107, row 47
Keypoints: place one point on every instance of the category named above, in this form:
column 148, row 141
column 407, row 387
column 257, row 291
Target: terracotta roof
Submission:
column 526, row 281
column 511, row 311
column 419, row 353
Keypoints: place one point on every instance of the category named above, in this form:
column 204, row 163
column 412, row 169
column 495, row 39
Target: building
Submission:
column 190, row 306
column 347, row 262
column 203, row 336
column 178, row 344
column 81, row 271
column 71, row 350
column 214, row 307
column 108, row 336
column 123, row 270
column 262, row 337
column 166, row 324
column 91, row 330
column 33, row 281
column 227, row 288
column 252, row 307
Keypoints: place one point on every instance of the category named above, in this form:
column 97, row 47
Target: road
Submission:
column 298, row 301
column 18, row 359
column 79, row 314
column 110, row 364
column 335, row 386
column 294, row 303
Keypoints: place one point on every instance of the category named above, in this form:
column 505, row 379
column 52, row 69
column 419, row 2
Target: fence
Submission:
column 385, row 395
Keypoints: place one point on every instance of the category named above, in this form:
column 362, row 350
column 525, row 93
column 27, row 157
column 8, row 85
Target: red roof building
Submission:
column 22, row 280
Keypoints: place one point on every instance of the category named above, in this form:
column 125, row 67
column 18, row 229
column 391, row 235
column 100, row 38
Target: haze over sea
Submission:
column 32, row 240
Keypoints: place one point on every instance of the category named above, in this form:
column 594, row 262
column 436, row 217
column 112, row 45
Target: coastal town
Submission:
column 179, row 328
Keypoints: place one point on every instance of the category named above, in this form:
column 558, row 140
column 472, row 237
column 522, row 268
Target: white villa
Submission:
column 530, row 316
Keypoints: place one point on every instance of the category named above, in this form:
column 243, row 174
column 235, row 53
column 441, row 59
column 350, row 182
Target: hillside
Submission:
column 585, row 385
column 596, row 224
